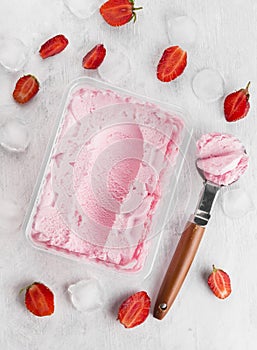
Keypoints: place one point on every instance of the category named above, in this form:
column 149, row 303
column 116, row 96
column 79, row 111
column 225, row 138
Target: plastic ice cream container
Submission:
column 109, row 179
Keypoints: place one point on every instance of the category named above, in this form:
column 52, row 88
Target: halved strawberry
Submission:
column 26, row 88
column 219, row 282
column 94, row 57
column 53, row 46
column 172, row 64
column 134, row 310
column 236, row 105
column 39, row 299
column 119, row 12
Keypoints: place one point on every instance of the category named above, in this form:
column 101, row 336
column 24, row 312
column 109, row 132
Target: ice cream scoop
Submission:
column 221, row 160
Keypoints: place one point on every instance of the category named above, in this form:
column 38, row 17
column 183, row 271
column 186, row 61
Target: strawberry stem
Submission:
column 134, row 16
column 247, row 88
column 22, row 290
column 214, row 268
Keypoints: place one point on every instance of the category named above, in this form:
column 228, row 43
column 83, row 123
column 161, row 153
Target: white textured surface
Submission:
column 227, row 41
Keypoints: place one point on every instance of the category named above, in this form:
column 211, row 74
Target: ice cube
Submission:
column 208, row 85
column 11, row 214
column 87, row 295
column 14, row 136
column 182, row 31
column 237, row 203
column 82, row 8
column 115, row 67
column 13, row 53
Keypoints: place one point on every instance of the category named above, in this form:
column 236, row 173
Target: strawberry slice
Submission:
column 119, row 12
column 94, row 57
column 26, row 88
column 172, row 64
column 236, row 104
column 39, row 299
column 219, row 283
column 134, row 310
column 53, row 46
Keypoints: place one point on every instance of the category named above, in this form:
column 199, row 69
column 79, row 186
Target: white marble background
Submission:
column 227, row 41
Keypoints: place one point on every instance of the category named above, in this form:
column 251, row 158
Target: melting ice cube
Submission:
column 86, row 295
column 208, row 85
column 13, row 53
column 115, row 67
column 236, row 203
column 182, row 31
column 82, row 8
column 11, row 215
column 14, row 136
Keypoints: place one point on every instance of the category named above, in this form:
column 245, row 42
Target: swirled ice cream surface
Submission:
column 105, row 178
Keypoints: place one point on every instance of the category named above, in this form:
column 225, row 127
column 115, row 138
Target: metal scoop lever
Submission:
column 185, row 251
column 206, row 202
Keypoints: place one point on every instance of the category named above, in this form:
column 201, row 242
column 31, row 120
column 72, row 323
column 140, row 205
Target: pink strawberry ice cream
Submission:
column 221, row 157
column 102, row 186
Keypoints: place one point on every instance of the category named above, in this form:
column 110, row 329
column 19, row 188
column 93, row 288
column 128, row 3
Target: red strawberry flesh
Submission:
column 236, row 104
column 118, row 12
column 39, row 300
column 219, row 283
column 26, row 88
column 172, row 64
column 94, row 57
column 134, row 310
column 53, row 46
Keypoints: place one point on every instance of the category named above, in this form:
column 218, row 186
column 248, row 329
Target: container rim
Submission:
column 183, row 113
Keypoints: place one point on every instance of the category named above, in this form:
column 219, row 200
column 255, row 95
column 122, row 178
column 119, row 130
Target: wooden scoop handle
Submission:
column 178, row 268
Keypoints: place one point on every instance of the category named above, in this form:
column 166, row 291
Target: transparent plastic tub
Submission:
column 110, row 178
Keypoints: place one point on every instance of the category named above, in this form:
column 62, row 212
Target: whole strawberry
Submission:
column 119, row 12
column 39, row 299
column 236, row 104
column 219, row 283
column 134, row 310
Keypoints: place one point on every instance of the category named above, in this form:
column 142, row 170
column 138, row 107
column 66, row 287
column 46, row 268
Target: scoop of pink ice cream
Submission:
column 221, row 158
